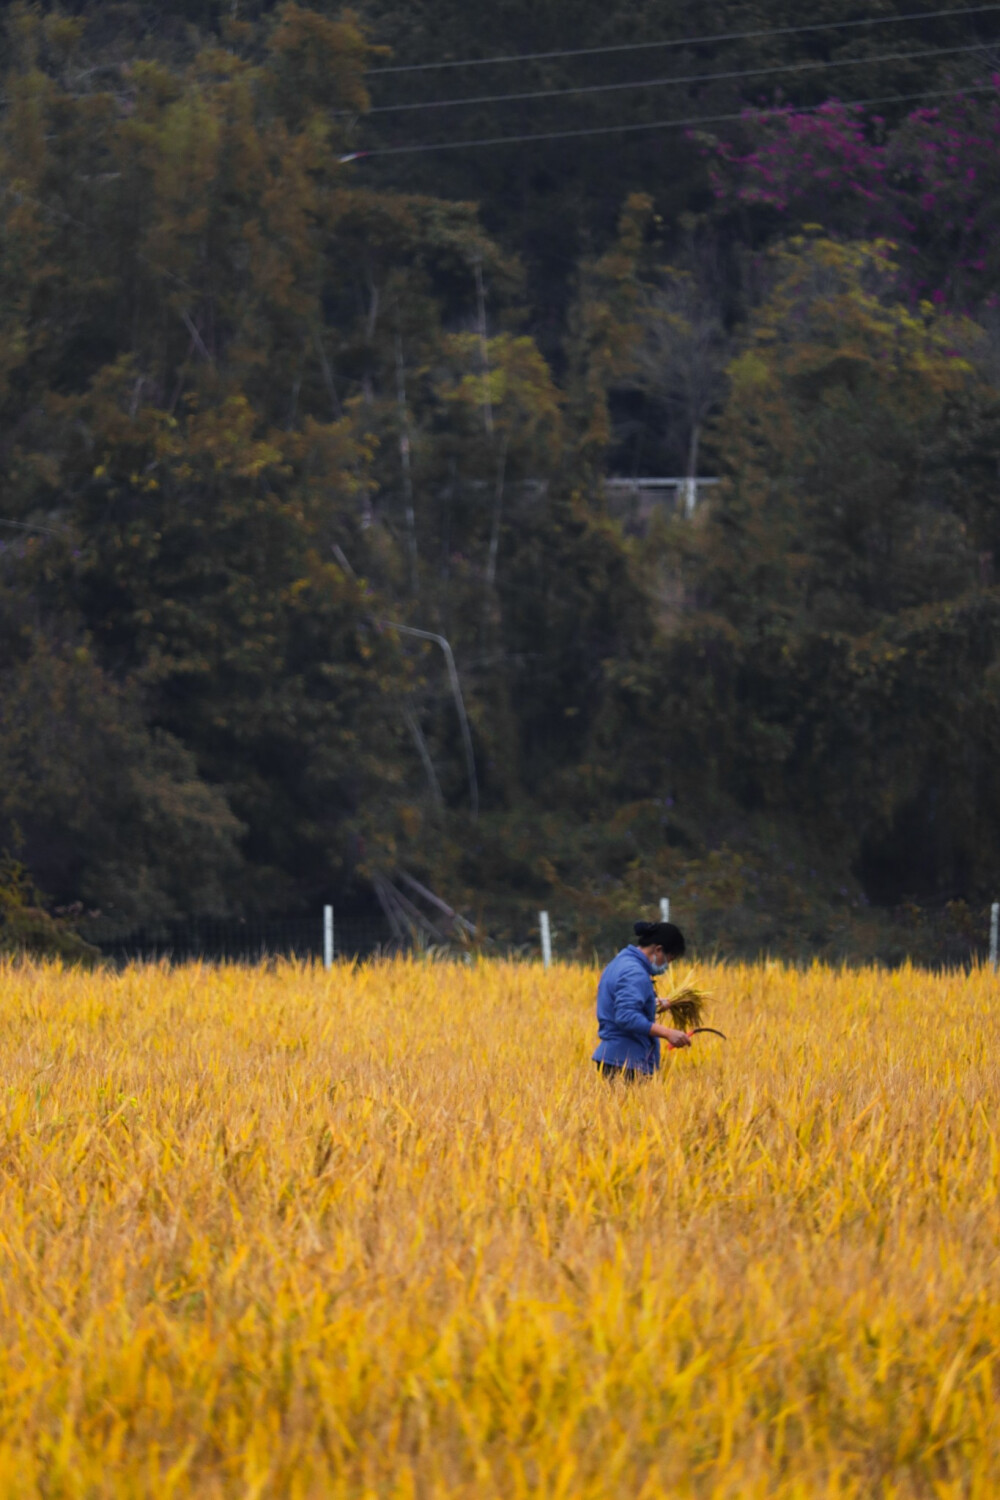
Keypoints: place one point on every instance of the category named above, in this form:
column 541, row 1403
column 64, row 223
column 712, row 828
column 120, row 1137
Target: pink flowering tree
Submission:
column 931, row 185
column 815, row 166
column 947, row 166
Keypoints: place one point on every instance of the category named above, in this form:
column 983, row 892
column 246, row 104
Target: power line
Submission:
column 658, row 83
column 29, row 526
column 688, row 41
column 564, row 135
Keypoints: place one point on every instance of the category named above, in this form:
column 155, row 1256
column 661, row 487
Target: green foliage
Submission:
column 175, row 453
column 843, row 623
column 260, row 406
column 837, row 442
column 27, row 929
column 105, row 809
column 606, row 330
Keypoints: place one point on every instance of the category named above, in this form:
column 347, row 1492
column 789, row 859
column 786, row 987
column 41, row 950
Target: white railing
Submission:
column 684, row 492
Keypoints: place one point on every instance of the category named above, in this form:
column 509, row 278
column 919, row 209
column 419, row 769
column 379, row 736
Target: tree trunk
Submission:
column 404, row 459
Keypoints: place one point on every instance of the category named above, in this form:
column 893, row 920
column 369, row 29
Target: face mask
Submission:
column 660, row 968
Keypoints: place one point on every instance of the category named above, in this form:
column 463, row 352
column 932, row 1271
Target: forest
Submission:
column 322, row 333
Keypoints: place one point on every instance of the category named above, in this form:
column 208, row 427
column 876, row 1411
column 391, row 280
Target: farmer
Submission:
column 626, row 1004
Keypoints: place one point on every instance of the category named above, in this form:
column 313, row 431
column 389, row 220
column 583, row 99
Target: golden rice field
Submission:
column 383, row 1232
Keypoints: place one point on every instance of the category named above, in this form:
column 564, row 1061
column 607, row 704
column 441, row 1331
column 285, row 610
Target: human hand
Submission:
column 675, row 1038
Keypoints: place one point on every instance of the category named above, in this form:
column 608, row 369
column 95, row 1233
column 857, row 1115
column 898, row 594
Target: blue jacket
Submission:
column 626, row 1008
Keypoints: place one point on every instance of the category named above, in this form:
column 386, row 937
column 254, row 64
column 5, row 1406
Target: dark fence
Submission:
column 239, row 940
column 952, row 934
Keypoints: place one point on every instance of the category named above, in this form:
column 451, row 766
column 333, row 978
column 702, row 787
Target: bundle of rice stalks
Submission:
column 686, row 1003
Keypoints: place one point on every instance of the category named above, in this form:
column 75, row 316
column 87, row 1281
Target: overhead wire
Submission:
column 807, row 65
column 676, row 124
column 690, row 41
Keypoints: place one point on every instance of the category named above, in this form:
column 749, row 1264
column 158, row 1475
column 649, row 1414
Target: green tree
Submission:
column 102, row 809
column 170, row 445
column 839, row 659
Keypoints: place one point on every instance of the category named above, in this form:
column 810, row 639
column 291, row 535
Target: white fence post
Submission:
column 664, row 908
column 994, row 924
column 328, row 937
column 546, row 931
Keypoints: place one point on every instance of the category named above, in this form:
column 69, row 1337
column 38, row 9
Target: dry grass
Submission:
column 384, row 1233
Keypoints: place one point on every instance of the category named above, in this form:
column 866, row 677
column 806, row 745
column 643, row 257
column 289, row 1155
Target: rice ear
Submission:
column 686, row 1003
column 686, row 1011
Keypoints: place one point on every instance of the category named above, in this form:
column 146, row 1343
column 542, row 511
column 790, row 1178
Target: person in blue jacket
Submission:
column 626, row 1004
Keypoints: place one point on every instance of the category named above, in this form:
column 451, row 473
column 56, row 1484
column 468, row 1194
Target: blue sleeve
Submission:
column 631, row 999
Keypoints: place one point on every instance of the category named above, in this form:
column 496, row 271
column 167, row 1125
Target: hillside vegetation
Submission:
column 267, row 408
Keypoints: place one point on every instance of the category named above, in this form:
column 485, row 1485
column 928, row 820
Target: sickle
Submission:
column 697, row 1029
